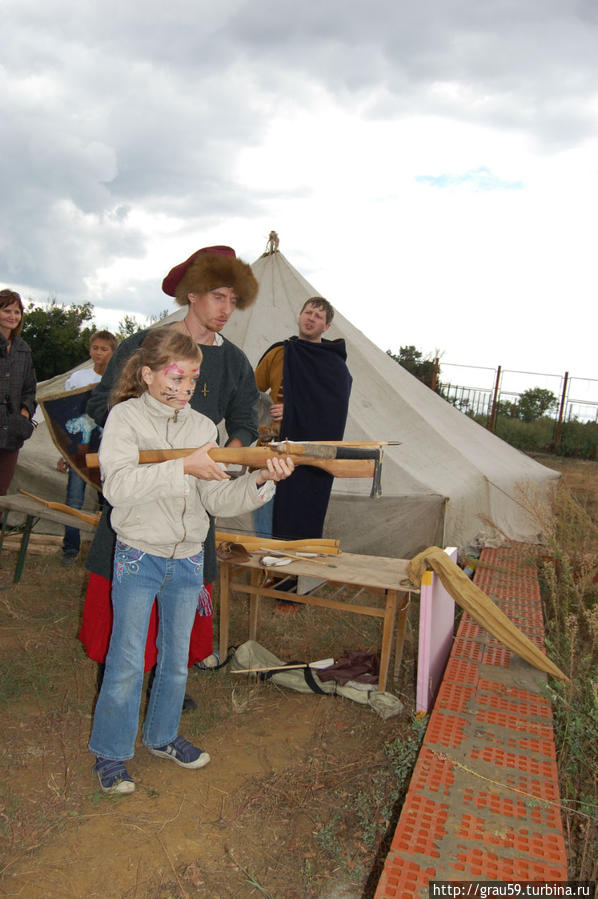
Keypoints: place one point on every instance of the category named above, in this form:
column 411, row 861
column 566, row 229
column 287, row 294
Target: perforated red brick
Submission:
column 469, row 629
column 499, row 656
column 512, row 743
column 529, row 707
column 500, row 719
column 536, row 637
column 488, row 758
column 534, row 810
column 403, row 878
column 446, row 730
column 453, row 697
column 519, row 838
column 534, row 745
column 461, row 672
column 468, row 649
column 422, row 826
column 477, row 863
column 520, row 608
column 504, row 591
column 493, row 755
column 529, row 785
column 432, row 773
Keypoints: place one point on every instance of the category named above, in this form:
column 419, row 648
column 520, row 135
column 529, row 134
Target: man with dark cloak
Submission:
column 308, row 380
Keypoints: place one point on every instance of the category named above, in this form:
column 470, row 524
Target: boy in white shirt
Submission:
column 101, row 347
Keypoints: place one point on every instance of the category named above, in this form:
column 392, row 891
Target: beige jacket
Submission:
column 157, row 508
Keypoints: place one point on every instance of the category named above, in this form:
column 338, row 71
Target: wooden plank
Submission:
column 307, row 599
column 390, row 612
column 400, row 641
column 348, row 568
column 224, row 609
column 18, row 503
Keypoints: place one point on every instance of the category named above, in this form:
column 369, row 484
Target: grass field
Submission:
column 297, row 801
column 302, row 792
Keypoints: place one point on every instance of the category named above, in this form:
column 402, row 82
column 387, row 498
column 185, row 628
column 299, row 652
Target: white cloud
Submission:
column 430, row 167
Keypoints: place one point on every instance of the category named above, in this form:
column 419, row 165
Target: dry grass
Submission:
column 569, row 578
column 295, row 800
column 284, row 765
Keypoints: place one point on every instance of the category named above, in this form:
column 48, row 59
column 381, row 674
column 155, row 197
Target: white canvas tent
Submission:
column 448, row 477
column 443, row 485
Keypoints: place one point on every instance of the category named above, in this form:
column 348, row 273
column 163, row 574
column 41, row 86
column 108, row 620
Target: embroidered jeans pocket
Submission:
column 126, row 560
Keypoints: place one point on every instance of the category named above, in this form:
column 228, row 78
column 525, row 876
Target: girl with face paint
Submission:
column 160, row 518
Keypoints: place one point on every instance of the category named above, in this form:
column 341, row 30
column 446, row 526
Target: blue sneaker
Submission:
column 183, row 753
column 210, row 663
column 113, row 776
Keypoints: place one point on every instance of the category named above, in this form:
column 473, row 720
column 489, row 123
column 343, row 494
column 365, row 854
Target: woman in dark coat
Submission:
column 17, row 386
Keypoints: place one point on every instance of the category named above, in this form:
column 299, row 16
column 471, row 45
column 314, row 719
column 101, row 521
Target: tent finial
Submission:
column 272, row 245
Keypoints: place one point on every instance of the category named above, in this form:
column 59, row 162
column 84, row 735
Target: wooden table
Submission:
column 33, row 512
column 374, row 574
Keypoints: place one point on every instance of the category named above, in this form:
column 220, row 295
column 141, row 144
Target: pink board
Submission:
column 436, row 624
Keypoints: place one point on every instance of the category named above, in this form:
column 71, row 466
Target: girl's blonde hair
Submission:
column 160, row 346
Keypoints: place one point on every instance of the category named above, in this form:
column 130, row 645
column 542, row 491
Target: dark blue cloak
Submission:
column 316, row 390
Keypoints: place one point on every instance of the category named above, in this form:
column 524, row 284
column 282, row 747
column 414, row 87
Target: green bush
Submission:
column 579, row 439
column 531, row 437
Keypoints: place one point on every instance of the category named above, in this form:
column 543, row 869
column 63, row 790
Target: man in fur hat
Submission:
column 212, row 283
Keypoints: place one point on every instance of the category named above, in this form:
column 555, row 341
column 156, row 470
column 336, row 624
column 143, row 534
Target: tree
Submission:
column 412, row 360
column 507, row 409
column 128, row 325
column 56, row 336
column 535, row 402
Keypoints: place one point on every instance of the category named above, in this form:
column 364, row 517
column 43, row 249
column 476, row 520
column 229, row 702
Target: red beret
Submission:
column 170, row 282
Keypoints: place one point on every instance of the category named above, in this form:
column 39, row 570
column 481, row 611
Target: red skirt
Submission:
column 96, row 627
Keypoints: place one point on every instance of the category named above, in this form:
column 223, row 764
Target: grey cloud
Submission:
column 90, row 134
column 511, row 63
column 111, row 106
column 54, row 247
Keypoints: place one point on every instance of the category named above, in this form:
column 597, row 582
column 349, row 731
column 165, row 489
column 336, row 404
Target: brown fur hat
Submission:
column 208, row 268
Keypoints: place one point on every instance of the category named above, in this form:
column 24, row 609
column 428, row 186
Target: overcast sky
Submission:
column 430, row 167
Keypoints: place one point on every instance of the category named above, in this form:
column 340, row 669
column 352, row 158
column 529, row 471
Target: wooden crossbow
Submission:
column 340, row 458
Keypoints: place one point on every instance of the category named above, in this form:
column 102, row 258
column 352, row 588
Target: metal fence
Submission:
column 484, row 388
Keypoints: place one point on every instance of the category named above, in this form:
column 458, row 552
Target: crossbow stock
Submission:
column 341, row 458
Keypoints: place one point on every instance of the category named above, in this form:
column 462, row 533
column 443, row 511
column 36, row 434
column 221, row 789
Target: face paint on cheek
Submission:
column 191, row 389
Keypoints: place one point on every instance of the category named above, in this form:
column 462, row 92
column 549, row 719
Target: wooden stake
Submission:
column 269, row 668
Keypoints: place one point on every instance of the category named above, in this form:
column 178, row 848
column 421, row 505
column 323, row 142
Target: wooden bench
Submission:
column 33, row 513
column 372, row 574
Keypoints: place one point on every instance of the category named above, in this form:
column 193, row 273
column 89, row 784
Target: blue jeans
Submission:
column 138, row 578
column 75, row 494
column 262, row 519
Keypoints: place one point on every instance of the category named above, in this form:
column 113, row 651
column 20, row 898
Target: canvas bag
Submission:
column 303, row 680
